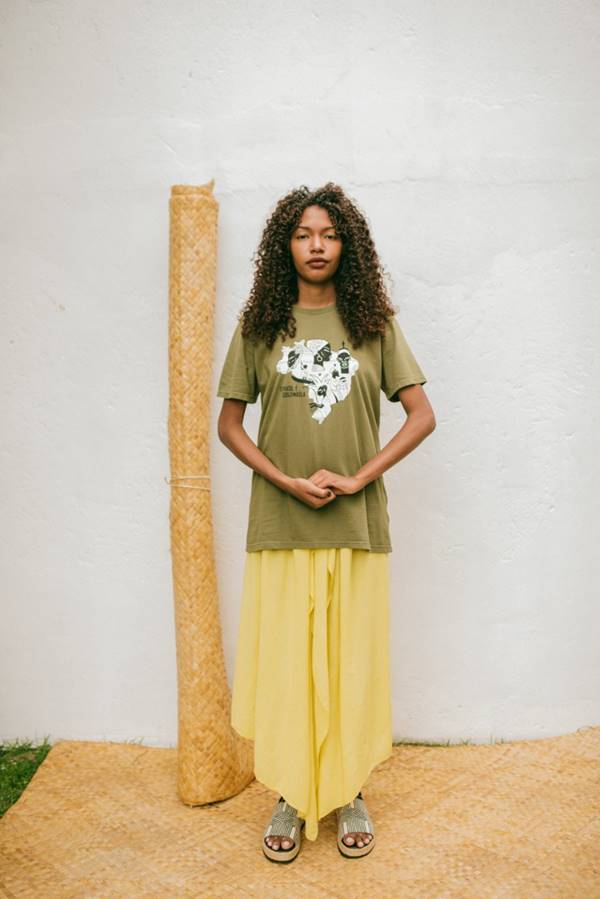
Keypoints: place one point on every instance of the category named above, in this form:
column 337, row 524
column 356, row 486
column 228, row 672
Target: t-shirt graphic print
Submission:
column 326, row 373
column 320, row 408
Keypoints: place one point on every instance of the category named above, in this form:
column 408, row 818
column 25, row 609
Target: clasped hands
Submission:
column 323, row 486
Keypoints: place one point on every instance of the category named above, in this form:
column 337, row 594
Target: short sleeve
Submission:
column 399, row 368
column 238, row 379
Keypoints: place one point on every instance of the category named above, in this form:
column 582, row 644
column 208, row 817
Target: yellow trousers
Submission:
column 311, row 685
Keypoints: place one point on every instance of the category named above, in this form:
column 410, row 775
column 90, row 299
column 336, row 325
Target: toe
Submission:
column 279, row 843
column 358, row 839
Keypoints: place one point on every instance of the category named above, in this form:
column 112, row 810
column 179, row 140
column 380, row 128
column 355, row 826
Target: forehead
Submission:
column 315, row 217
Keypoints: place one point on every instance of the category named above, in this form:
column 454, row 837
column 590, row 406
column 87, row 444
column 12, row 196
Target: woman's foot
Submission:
column 285, row 842
column 357, row 837
column 279, row 842
column 354, row 843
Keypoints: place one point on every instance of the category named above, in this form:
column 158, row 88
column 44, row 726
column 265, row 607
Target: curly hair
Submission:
column 361, row 296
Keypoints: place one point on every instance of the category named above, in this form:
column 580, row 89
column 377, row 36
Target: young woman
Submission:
column 317, row 338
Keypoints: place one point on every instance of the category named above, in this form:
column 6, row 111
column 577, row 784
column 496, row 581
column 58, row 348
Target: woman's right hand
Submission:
column 308, row 492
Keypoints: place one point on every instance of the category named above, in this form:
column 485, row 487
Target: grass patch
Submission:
column 18, row 763
column 445, row 743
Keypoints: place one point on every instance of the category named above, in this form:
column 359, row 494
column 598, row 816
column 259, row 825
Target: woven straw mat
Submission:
column 517, row 819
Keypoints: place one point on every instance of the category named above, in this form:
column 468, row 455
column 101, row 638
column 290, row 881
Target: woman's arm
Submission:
column 420, row 422
column 234, row 436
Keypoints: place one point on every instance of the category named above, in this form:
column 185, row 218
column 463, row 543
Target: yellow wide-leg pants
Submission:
column 311, row 684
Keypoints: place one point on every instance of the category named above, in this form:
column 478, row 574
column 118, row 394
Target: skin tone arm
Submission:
column 233, row 434
column 420, row 422
column 324, row 485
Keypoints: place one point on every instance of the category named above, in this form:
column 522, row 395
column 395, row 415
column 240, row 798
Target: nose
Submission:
column 317, row 242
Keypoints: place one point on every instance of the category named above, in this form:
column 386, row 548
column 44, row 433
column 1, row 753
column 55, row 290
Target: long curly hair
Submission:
column 362, row 299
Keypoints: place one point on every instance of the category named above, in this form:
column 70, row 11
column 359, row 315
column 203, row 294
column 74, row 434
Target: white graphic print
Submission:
column 327, row 373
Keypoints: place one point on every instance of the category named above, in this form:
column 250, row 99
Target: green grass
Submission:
column 446, row 743
column 18, row 763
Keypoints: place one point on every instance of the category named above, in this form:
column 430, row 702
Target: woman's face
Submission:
column 315, row 238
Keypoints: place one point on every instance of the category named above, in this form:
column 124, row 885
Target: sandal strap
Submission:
column 284, row 821
column 354, row 818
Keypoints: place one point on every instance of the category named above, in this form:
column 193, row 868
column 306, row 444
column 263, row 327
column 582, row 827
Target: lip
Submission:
column 318, row 263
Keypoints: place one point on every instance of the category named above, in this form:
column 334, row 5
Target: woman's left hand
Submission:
column 339, row 483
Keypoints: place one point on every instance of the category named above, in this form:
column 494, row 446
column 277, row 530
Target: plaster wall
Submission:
column 469, row 134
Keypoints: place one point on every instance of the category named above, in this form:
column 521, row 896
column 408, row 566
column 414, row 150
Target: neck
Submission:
column 315, row 295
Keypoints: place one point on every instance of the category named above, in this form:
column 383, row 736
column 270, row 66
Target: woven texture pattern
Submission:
column 513, row 820
column 214, row 762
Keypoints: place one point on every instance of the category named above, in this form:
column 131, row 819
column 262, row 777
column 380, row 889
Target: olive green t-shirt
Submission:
column 320, row 409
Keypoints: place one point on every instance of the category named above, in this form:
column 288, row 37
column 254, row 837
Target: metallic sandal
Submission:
column 354, row 818
column 284, row 823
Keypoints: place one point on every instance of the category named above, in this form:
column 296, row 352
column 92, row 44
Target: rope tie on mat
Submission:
column 186, row 477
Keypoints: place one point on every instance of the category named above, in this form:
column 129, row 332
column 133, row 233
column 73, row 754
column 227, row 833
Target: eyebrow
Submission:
column 327, row 228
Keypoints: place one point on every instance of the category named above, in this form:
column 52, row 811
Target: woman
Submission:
column 317, row 338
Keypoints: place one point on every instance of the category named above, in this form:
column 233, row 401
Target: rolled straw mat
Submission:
column 214, row 762
column 518, row 819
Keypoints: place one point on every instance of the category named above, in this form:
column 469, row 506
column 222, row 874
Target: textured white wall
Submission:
column 469, row 134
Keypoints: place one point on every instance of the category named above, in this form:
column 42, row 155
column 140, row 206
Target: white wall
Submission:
column 469, row 134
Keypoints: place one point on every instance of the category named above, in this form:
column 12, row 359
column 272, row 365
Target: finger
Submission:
column 319, row 503
column 328, row 491
column 319, row 491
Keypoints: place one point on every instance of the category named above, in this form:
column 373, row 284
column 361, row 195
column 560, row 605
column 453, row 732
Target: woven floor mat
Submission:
column 519, row 819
